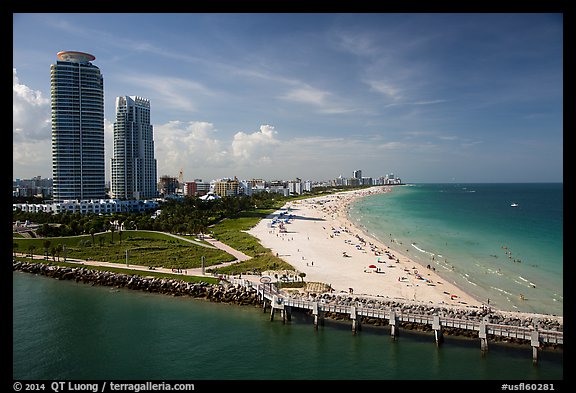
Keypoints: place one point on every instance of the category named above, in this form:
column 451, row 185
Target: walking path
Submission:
column 184, row 272
column 240, row 256
column 213, row 243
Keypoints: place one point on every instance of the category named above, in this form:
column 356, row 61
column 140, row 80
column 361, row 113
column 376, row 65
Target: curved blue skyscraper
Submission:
column 77, row 95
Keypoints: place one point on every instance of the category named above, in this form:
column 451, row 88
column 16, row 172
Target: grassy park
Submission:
column 149, row 242
column 157, row 249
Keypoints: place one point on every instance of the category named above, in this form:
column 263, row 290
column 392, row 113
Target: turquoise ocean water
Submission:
column 474, row 237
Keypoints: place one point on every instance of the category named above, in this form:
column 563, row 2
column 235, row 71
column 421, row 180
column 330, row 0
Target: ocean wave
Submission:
column 503, row 291
column 421, row 250
column 466, row 277
column 530, row 283
column 447, row 268
column 559, row 296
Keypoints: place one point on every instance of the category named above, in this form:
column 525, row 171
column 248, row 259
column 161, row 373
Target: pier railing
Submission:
column 270, row 293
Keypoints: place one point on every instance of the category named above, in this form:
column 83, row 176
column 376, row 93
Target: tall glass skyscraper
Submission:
column 77, row 95
column 133, row 164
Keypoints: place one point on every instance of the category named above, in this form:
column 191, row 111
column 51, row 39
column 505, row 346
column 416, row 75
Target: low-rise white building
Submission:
column 96, row 206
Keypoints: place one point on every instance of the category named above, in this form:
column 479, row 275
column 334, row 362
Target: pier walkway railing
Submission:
column 280, row 302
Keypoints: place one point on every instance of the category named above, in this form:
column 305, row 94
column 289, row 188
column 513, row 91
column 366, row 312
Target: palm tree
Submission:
column 59, row 249
column 47, row 247
column 92, row 232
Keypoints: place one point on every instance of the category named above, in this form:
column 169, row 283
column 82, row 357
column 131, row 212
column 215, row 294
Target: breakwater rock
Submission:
column 222, row 292
column 245, row 295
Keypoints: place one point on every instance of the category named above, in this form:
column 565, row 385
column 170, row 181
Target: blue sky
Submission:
column 430, row 97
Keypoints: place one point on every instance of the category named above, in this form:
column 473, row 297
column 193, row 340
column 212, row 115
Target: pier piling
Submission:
column 318, row 315
column 483, row 337
column 437, row 330
column 535, row 334
column 276, row 304
column 286, row 314
column 535, row 343
column 355, row 319
column 393, row 324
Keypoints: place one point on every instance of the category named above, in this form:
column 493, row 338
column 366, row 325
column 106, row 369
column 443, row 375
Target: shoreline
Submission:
column 344, row 217
column 330, row 234
column 320, row 241
column 232, row 292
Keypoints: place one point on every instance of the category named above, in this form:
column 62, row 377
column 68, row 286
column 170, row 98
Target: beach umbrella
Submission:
column 372, row 266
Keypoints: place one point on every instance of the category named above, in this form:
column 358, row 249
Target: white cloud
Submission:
column 255, row 147
column 169, row 91
column 31, row 113
column 195, row 148
column 306, row 95
column 30, row 159
column 191, row 145
column 385, row 88
column 31, row 131
column 323, row 101
column 397, row 94
column 392, row 145
column 361, row 44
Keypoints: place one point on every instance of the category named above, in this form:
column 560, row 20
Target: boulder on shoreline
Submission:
column 242, row 295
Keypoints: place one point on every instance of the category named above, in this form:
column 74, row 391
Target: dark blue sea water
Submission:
column 63, row 330
column 473, row 236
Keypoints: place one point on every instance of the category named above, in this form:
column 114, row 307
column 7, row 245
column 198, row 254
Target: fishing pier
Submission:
column 277, row 303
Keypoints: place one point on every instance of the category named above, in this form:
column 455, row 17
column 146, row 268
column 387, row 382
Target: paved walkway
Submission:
column 185, row 239
column 240, row 256
column 184, row 272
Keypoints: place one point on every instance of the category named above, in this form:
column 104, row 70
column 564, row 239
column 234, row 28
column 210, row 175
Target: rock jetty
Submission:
column 222, row 292
column 245, row 295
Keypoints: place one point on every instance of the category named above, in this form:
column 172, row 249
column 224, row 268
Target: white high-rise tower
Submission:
column 133, row 166
column 77, row 101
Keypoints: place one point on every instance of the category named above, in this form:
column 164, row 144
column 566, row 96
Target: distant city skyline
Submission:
column 430, row 97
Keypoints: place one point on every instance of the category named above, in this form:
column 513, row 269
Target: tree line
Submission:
column 185, row 215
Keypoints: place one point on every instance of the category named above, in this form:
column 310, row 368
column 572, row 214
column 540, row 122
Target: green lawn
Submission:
column 231, row 231
column 144, row 248
column 148, row 248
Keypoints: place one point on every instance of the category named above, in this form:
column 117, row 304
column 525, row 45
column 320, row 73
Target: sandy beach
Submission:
column 321, row 242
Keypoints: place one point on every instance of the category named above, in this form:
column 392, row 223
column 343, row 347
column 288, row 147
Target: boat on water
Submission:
column 514, row 205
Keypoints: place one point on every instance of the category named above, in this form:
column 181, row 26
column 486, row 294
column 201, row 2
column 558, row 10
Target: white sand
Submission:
column 312, row 245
